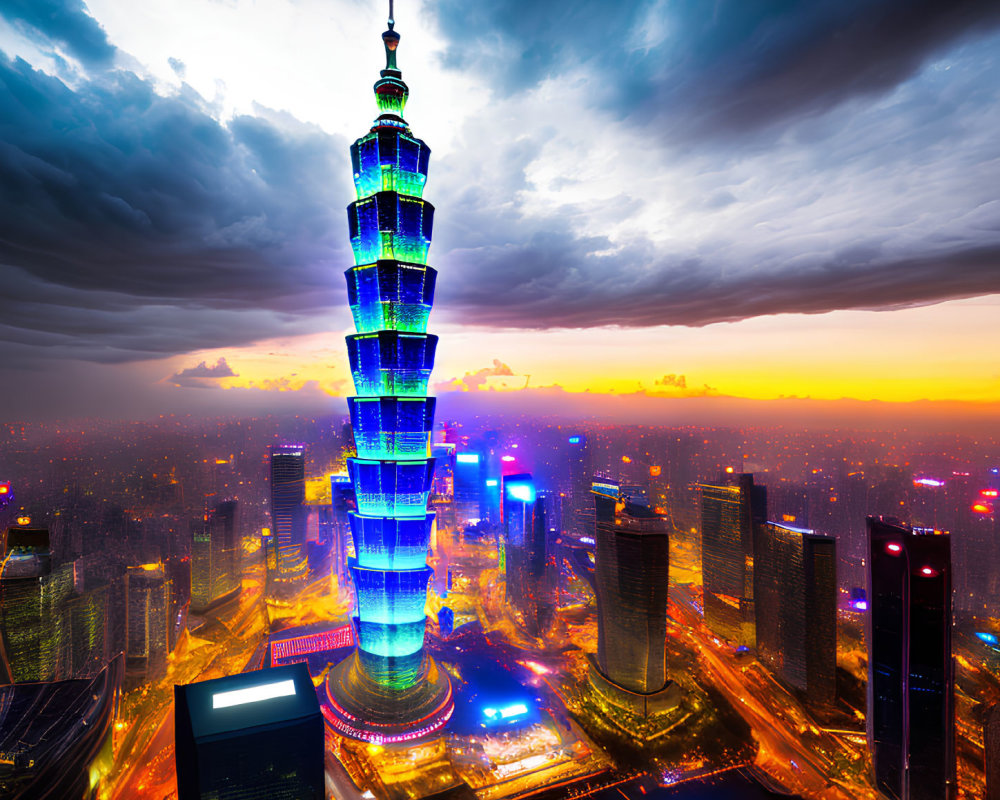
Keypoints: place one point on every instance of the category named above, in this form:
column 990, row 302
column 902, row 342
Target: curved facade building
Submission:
column 390, row 689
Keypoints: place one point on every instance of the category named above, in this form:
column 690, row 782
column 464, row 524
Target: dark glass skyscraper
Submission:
column 390, row 689
column 728, row 515
column 288, row 512
column 795, row 603
column 214, row 550
column 911, row 724
column 470, row 469
column 525, row 551
column 27, row 627
column 148, row 602
column 631, row 577
column 991, row 751
column 579, row 508
column 248, row 736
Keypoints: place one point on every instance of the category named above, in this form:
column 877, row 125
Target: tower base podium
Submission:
column 362, row 709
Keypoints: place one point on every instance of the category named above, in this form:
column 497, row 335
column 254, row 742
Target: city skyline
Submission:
column 730, row 527
column 681, row 202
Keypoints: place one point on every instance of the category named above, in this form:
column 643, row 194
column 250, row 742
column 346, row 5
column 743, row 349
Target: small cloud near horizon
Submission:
column 199, row 376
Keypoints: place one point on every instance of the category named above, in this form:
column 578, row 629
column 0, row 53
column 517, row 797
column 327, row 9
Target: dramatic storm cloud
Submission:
column 596, row 164
column 134, row 224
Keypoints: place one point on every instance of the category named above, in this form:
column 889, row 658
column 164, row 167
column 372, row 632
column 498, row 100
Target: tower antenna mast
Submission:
column 392, row 20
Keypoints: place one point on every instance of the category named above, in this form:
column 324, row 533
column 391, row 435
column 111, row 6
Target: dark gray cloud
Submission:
column 701, row 69
column 135, row 225
column 65, row 23
column 563, row 281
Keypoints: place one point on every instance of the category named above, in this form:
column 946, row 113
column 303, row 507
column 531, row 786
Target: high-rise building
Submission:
column 28, row 631
column 795, row 603
column 911, row 714
column 729, row 512
column 288, row 512
column 529, row 585
column 215, row 575
column 146, row 626
column 470, row 470
column 389, row 689
column 443, row 488
column 579, row 508
column 991, row 751
column 342, row 546
column 253, row 735
column 84, row 645
column 631, row 572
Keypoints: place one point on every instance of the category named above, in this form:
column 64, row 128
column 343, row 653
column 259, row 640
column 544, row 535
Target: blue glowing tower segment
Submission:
column 392, row 427
column 390, row 295
column 390, row 225
column 391, row 543
column 391, row 292
column 391, row 364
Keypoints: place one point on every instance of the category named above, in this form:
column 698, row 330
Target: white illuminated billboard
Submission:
column 253, row 694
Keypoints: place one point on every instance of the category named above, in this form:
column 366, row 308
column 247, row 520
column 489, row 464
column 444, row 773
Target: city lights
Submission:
column 623, row 530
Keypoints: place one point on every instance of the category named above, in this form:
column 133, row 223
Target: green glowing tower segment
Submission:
column 390, row 225
column 390, row 689
column 389, row 160
column 391, row 295
column 389, row 363
column 391, row 543
column 392, row 427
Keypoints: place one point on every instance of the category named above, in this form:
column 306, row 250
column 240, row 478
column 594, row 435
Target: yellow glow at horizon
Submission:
column 937, row 352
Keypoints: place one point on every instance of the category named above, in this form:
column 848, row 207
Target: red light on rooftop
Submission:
column 929, row 572
column 894, row 549
column 989, row 492
column 982, row 508
column 4, row 488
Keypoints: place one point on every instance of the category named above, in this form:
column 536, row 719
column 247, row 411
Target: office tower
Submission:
column 389, row 689
column 342, row 546
column 631, row 572
column 469, row 484
column 288, row 513
column 728, row 515
column 579, row 507
column 83, row 622
column 215, row 575
column 443, row 488
column 28, row 632
column 529, row 586
column 911, row 720
column 146, row 627
column 252, row 735
column 795, row 604
column 991, row 751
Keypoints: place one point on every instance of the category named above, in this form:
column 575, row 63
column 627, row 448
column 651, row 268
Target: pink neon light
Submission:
column 313, row 643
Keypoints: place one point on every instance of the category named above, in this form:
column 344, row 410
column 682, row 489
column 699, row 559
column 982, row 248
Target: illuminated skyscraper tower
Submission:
column 390, row 689
column 911, row 675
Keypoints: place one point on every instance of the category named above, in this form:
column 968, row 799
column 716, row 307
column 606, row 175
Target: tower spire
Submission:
column 391, row 41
